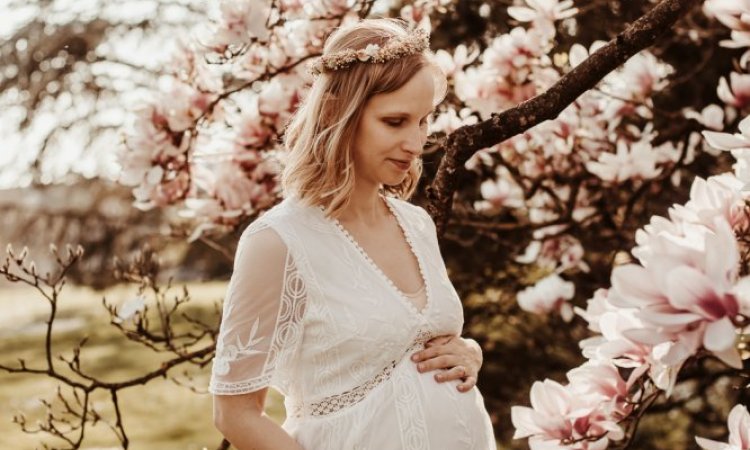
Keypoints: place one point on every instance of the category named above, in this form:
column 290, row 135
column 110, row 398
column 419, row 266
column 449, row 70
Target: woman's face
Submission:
column 392, row 131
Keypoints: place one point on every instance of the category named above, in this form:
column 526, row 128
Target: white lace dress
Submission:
column 310, row 314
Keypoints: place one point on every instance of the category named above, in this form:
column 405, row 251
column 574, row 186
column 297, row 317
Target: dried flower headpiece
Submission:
column 397, row 47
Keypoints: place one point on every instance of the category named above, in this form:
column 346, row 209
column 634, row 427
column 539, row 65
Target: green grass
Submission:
column 160, row 415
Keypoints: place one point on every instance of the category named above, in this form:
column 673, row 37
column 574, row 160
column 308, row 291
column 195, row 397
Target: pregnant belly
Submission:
column 458, row 417
column 409, row 410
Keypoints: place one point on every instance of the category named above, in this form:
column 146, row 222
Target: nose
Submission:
column 414, row 141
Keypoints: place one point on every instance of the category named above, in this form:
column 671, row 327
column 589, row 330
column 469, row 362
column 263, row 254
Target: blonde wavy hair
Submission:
column 319, row 165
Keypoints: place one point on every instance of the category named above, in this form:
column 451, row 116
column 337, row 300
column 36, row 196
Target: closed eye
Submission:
column 395, row 123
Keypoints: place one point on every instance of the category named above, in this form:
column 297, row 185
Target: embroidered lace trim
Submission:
column 353, row 396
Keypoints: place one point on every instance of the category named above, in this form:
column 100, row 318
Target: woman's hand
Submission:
column 459, row 359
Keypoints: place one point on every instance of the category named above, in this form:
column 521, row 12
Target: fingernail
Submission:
column 414, row 357
column 438, row 378
column 420, row 367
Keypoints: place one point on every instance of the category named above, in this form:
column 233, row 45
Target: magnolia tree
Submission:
column 686, row 295
column 213, row 149
column 555, row 145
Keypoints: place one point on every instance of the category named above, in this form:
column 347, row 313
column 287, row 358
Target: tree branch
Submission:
column 465, row 141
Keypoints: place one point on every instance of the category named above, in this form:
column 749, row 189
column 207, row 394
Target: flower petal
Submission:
column 720, row 335
column 708, row 444
column 725, row 141
column 523, row 421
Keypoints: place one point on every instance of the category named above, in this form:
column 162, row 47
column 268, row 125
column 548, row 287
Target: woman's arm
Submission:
column 241, row 420
column 459, row 359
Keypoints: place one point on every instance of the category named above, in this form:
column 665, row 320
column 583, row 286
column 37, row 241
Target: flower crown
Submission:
column 397, row 47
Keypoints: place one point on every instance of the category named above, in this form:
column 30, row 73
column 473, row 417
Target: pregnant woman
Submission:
column 339, row 297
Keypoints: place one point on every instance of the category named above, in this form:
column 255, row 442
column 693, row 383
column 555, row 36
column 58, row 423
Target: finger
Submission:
column 454, row 373
column 439, row 362
column 439, row 340
column 467, row 384
column 449, row 348
column 429, row 353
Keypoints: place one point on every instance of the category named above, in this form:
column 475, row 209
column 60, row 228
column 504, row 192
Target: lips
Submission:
column 402, row 165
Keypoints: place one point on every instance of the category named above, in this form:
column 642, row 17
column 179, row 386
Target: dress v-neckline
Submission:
column 407, row 236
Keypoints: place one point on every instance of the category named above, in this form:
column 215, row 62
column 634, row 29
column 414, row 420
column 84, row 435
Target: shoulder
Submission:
column 282, row 224
column 265, row 234
column 259, row 241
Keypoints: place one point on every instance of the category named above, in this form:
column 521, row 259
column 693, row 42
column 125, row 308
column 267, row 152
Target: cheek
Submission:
column 377, row 131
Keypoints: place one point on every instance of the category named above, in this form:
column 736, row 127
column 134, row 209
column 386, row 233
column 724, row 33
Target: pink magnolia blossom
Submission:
column 603, row 380
column 739, row 432
column 296, row 39
column 638, row 160
column 719, row 195
column 640, row 77
column 183, row 105
column 559, row 254
column 676, row 297
column 291, row 8
column 499, row 194
column 166, row 192
column 552, row 293
column 237, row 22
column 253, row 130
column 543, row 13
column 628, row 342
column 514, row 66
column 148, row 139
column 728, row 12
column 253, row 63
column 486, row 93
column 418, row 13
column 736, row 91
column 512, row 55
column 279, row 98
column 233, row 188
column 581, row 415
column 455, row 63
column 734, row 14
column 188, row 65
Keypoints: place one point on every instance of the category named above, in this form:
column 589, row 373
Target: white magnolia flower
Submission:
column 712, row 116
column 550, row 294
column 637, row 160
column 498, row 194
column 543, row 13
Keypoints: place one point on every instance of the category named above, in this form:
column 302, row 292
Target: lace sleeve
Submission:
column 262, row 314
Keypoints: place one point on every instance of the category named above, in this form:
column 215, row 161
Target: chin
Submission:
column 394, row 181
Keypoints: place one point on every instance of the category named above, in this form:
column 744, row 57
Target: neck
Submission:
column 365, row 206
